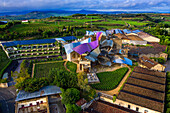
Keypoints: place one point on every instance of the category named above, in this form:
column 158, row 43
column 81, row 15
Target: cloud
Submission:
column 14, row 5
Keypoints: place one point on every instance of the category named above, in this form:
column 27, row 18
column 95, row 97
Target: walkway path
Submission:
column 116, row 91
column 65, row 65
column 33, row 67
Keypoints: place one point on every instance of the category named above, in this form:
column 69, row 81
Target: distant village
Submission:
column 142, row 88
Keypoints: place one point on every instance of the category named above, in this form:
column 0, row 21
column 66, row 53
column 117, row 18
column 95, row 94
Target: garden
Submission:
column 42, row 69
column 110, row 80
column 71, row 66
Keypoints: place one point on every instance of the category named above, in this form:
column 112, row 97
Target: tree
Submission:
column 56, row 43
column 83, row 82
column 72, row 108
column 62, row 78
column 70, row 96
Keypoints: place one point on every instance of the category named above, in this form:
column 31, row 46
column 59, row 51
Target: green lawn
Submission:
column 3, row 59
column 42, row 70
column 110, row 80
column 71, row 66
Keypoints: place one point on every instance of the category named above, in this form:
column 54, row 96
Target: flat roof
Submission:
column 45, row 91
column 28, row 42
column 67, row 38
column 38, row 41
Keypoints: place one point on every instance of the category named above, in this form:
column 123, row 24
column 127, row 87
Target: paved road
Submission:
column 7, row 99
column 18, row 67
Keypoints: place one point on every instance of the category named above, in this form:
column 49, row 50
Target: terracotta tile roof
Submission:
column 134, row 37
column 147, row 62
column 120, row 36
column 146, row 84
column 149, row 72
column 147, row 93
column 148, row 77
column 146, row 50
column 106, row 107
column 145, row 88
column 81, row 102
column 157, row 45
column 158, row 106
column 143, row 35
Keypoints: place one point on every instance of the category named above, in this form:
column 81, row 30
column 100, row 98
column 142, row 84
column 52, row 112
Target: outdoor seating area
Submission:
column 92, row 78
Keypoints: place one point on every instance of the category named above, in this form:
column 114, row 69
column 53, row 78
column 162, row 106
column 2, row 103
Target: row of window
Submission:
column 37, row 103
column 137, row 109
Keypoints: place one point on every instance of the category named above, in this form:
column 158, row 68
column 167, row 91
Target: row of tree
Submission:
column 73, row 86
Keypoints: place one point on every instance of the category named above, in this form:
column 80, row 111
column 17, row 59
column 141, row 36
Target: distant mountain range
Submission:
column 44, row 14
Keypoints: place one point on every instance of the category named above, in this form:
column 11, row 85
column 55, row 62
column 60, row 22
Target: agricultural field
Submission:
column 42, row 69
column 53, row 24
column 3, row 59
column 110, row 80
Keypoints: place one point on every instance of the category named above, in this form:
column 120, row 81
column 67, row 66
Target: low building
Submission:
column 146, row 62
column 82, row 103
column 24, row 21
column 148, row 37
column 34, row 48
column 40, row 101
column 156, row 52
column 133, row 39
column 100, row 106
column 144, row 91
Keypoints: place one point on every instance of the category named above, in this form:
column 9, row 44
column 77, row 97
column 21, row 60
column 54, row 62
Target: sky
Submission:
column 102, row 5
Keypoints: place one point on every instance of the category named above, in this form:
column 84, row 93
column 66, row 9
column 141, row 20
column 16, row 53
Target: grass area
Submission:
column 3, row 59
column 110, row 80
column 71, row 66
column 42, row 69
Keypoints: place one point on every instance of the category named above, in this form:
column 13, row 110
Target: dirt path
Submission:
column 116, row 91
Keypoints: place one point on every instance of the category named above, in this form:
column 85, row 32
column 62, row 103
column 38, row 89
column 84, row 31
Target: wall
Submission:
column 133, row 106
column 158, row 67
column 26, row 103
column 3, row 85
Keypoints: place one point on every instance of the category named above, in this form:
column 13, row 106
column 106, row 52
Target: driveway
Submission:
column 7, row 99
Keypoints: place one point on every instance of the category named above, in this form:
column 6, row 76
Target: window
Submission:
column 137, row 109
column 41, row 102
column 129, row 106
column 22, row 106
column 38, row 103
column 30, row 104
column 146, row 111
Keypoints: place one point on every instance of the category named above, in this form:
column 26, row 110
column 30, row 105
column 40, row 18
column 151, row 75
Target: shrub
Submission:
column 5, row 80
column 114, row 98
column 71, row 66
column 168, row 75
column 72, row 108
column 70, row 96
